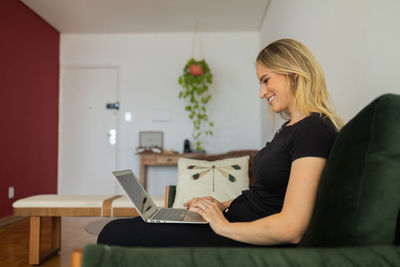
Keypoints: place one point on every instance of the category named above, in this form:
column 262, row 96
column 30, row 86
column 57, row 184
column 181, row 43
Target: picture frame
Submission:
column 148, row 139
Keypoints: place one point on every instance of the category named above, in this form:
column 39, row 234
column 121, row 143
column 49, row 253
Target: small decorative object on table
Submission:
column 152, row 149
column 186, row 147
column 150, row 141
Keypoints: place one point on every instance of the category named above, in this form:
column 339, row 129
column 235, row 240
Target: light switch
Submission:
column 11, row 192
column 128, row 116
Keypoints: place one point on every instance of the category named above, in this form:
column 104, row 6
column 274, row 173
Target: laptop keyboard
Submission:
column 171, row 214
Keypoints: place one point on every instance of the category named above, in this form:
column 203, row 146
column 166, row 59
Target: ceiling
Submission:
column 135, row 16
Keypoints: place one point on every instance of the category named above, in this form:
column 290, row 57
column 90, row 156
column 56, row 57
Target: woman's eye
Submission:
column 266, row 81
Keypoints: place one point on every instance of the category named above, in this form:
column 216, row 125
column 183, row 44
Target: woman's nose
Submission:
column 263, row 92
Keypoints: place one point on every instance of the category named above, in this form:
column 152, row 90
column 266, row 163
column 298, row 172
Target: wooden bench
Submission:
column 51, row 208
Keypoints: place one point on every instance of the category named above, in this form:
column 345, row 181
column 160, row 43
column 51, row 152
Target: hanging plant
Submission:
column 195, row 80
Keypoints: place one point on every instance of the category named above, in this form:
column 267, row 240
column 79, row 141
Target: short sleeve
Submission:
column 313, row 138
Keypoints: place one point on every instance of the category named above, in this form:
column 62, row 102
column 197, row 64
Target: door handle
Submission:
column 112, row 136
column 113, row 105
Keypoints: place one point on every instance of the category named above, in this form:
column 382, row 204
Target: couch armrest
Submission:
column 170, row 192
column 100, row 255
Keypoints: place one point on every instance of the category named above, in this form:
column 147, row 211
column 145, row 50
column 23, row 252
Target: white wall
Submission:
column 357, row 43
column 150, row 65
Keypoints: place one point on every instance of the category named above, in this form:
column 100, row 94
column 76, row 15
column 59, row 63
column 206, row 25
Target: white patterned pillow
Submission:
column 222, row 179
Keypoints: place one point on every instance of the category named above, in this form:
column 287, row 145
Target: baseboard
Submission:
column 10, row 219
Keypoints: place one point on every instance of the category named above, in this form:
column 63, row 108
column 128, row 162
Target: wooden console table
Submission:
column 159, row 159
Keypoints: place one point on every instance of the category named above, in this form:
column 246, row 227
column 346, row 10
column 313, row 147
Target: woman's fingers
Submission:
column 205, row 208
column 190, row 202
column 205, row 203
column 194, row 201
column 211, row 213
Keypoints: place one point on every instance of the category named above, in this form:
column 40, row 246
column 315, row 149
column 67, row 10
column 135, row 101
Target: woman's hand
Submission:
column 194, row 203
column 211, row 211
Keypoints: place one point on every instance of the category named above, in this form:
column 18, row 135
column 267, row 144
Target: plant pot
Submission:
column 196, row 70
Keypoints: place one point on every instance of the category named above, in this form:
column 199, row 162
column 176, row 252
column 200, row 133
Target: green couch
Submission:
column 356, row 221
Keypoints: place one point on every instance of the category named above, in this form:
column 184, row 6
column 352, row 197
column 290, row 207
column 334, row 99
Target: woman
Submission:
column 278, row 206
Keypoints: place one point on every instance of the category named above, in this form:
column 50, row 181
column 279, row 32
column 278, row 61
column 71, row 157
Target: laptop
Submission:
column 146, row 207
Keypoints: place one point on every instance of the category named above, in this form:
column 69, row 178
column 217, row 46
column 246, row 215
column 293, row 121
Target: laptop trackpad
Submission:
column 194, row 217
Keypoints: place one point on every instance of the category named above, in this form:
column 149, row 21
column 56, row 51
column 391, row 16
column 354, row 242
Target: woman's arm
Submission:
column 289, row 225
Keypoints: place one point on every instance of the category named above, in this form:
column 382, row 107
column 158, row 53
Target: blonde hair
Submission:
column 304, row 75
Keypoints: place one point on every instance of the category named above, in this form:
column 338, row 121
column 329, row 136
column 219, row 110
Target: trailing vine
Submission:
column 195, row 81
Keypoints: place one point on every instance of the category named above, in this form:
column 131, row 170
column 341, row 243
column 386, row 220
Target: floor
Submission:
column 14, row 242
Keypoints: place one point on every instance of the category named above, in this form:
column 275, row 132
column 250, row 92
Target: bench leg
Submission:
column 34, row 241
column 35, row 255
column 56, row 232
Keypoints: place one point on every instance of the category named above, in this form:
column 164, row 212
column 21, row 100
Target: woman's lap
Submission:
column 135, row 232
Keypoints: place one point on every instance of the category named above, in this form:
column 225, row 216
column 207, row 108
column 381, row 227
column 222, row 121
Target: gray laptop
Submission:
column 146, row 206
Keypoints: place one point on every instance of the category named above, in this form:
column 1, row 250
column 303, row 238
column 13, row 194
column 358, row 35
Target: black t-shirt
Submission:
column 312, row 136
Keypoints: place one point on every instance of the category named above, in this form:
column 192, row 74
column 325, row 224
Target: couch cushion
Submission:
column 105, row 256
column 221, row 179
column 359, row 196
column 62, row 201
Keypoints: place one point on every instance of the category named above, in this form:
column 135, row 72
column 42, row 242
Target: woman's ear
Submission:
column 293, row 78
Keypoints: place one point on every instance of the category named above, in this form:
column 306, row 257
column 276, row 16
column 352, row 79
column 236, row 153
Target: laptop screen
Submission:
column 135, row 191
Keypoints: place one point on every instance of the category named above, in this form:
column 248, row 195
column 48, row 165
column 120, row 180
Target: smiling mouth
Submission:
column 271, row 98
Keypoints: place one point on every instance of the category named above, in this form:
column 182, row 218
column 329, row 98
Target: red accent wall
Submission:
column 29, row 88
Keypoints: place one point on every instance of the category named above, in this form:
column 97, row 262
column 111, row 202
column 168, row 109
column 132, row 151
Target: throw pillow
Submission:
column 221, row 179
column 358, row 198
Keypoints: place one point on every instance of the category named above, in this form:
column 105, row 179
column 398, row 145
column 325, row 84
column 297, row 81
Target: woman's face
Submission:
column 274, row 88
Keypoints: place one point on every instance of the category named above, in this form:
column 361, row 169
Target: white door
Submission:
column 88, row 131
